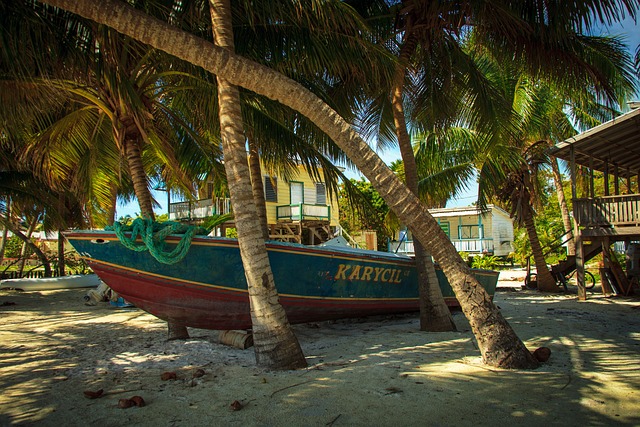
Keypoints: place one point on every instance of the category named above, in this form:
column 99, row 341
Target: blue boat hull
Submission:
column 207, row 289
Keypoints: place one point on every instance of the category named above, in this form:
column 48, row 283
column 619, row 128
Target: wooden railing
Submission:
column 473, row 245
column 302, row 211
column 220, row 206
column 199, row 209
column 608, row 211
column 466, row 245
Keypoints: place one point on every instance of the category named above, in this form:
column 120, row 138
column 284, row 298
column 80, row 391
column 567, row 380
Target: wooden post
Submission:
column 592, row 192
column 582, row 291
column 629, row 182
column 572, row 166
column 607, row 289
column 606, row 178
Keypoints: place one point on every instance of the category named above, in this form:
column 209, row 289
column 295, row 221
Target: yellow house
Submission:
column 298, row 210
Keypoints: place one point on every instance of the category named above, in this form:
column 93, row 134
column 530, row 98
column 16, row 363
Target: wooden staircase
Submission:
column 564, row 268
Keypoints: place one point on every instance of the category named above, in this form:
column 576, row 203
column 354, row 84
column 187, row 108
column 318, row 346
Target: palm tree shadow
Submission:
column 376, row 371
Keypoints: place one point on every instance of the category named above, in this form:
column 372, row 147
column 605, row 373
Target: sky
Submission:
column 627, row 28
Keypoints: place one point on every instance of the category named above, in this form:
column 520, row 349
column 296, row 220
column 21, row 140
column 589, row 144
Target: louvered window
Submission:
column 271, row 188
column 321, row 194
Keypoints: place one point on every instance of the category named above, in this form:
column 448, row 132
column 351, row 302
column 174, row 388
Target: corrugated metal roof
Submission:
column 616, row 143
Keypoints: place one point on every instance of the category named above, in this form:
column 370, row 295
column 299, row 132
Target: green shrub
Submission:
column 466, row 258
column 14, row 247
column 485, row 262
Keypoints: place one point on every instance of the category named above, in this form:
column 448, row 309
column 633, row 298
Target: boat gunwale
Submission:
column 274, row 246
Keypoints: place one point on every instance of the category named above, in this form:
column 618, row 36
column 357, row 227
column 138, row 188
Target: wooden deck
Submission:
column 615, row 217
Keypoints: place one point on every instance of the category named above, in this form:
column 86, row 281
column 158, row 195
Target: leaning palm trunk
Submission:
column 434, row 313
column 258, row 189
column 545, row 280
column 275, row 345
column 564, row 210
column 498, row 343
column 27, row 244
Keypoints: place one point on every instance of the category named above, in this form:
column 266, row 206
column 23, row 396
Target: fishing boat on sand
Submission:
column 207, row 288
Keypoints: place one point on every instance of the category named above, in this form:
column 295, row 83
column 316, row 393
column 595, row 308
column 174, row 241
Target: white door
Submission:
column 297, row 198
column 297, row 193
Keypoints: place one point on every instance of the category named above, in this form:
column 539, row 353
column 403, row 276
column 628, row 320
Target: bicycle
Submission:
column 530, row 281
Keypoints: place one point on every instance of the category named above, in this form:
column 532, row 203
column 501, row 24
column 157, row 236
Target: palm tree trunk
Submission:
column 3, row 244
column 497, row 341
column 434, row 313
column 111, row 210
column 36, row 250
column 545, row 280
column 133, row 154
column 140, row 184
column 258, row 189
column 61, row 266
column 175, row 331
column 564, row 210
column 28, row 244
column 61, row 262
column 5, row 230
column 275, row 345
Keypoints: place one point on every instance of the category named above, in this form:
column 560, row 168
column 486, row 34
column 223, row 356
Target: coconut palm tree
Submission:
column 544, row 112
column 301, row 144
column 114, row 117
column 275, row 342
column 28, row 198
column 498, row 343
column 435, row 72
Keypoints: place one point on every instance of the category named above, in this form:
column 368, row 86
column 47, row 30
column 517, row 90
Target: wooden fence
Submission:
column 33, row 274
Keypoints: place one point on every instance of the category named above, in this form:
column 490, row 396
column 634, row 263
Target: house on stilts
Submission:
column 299, row 210
column 603, row 216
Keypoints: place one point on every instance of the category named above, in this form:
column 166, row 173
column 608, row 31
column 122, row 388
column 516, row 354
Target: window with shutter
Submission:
column 446, row 228
column 321, row 194
column 271, row 189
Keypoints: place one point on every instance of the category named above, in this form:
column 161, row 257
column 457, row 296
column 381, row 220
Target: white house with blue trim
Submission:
column 470, row 230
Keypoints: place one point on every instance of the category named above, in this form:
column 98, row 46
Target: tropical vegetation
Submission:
column 513, row 30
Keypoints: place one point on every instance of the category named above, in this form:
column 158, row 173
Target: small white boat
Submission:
column 52, row 283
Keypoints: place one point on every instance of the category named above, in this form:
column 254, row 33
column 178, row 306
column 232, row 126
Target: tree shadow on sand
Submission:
column 377, row 371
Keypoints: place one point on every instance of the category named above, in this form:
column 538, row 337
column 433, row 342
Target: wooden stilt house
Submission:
column 611, row 213
column 299, row 210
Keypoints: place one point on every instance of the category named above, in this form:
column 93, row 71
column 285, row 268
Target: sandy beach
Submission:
column 366, row 372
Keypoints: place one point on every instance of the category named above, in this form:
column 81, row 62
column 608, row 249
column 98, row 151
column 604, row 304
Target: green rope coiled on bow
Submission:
column 153, row 235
